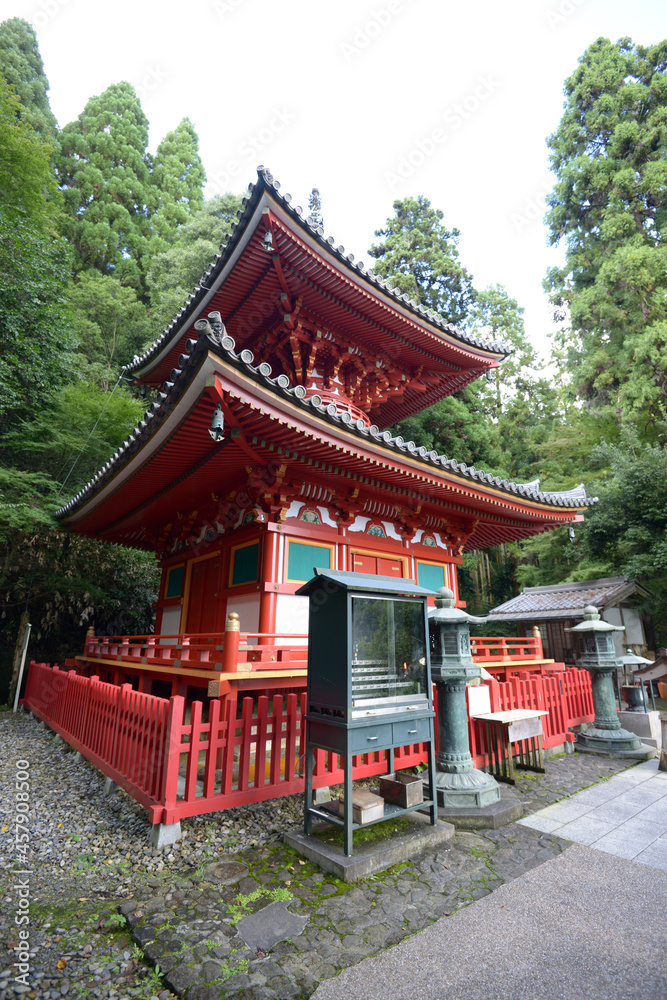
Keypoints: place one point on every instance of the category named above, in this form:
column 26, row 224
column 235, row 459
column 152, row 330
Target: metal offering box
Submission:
column 369, row 677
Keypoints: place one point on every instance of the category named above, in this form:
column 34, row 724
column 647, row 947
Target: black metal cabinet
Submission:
column 369, row 678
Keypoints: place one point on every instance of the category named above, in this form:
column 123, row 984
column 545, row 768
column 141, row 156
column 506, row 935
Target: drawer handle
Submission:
column 411, row 731
column 371, row 737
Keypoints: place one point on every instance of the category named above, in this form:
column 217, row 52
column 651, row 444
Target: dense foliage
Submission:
column 101, row 242
column 601, row 415
column 84, row 212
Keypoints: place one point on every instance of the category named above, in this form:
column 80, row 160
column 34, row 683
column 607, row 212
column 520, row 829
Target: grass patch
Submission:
column 368, row 837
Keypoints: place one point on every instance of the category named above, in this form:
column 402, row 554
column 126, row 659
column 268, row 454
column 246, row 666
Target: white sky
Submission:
column 339, row 94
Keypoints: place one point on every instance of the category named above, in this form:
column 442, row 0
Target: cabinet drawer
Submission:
column 411, row 731
column 371, row 738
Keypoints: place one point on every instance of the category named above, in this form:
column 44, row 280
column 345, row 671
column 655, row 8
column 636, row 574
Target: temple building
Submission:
column 266, row 452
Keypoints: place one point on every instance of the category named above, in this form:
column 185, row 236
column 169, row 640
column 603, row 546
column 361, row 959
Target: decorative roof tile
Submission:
column 266, row 181
column 224, row 346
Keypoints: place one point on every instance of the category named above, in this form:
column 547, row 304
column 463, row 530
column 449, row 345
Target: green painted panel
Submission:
column 246, row 562
column 430, row 577
column 302, row 559
column 175, row 582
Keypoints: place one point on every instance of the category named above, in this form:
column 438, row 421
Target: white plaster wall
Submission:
column 613, row 616
column 171, row 621
column 292, row 617
column 634, row 632
column 359, row 523
column 246, row 607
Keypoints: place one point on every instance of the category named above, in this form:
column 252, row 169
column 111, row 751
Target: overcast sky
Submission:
column 370, row 101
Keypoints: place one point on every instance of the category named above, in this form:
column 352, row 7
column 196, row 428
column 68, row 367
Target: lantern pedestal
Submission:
column 458, row 782
column 606, row 734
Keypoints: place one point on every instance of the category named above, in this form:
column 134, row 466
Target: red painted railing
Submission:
column 179, row 766
column 506, row 648
column 206, row 650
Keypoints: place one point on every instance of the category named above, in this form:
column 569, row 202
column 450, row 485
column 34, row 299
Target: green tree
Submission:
column 420, row 255
column 494, row 314
column 178, row 176
column 34, row 269
column 108, row 322
column 609, row 205
column 175, row 272
column 105, row 172
column 70, row 439
column 21, row 66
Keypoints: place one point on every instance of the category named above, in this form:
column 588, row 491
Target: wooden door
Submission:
column 390, row 567
column 364, row 564
column 377, row 565
column 203, row 599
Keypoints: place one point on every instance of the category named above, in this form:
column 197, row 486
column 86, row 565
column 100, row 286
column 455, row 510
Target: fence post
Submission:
column 230, row 653
column 537, row 636
column 172, row 752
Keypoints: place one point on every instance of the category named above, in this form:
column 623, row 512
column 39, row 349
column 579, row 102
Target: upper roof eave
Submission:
column 282, row 387
column 265, row 189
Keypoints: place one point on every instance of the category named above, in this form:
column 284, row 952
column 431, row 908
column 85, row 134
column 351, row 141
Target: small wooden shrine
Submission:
column 265, row 453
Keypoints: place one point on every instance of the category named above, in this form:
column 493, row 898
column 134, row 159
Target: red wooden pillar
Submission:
column 269, row 576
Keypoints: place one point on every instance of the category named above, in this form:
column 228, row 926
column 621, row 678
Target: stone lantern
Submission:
column 459, row 783
column 599, row 658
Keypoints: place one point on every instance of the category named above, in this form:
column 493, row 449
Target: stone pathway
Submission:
column 625, row 816
column 233, row 929
column 230, row 911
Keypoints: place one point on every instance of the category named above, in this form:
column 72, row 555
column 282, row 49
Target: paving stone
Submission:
column 333, row 929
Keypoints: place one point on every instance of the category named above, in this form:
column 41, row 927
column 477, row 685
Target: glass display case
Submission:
column 388, row 666
column 369, row 678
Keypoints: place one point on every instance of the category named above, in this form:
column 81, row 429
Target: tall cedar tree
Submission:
column 420, row 255
column 609, row 204
column 34, row 269
column 21, row 66
column 175, row 272
column 178, row 176
column 104, row 169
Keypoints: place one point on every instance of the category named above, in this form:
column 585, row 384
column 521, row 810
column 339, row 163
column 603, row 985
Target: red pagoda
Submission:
column 266, row 453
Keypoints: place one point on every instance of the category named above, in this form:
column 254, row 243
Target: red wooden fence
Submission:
column 177, row 766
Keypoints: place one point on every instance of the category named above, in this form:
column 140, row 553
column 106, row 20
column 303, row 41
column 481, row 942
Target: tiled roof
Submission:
column 266, row 182
column 563, row 600
column 224, row 346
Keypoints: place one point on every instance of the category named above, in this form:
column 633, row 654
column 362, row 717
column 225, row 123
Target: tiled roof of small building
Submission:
column 563, row 600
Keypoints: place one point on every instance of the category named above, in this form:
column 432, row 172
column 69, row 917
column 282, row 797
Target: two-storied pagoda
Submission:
column 266, row 456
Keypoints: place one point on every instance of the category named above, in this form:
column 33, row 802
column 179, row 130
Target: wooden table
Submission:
column 520, row 725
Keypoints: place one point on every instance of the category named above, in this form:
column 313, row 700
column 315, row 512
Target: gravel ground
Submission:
column 89, row 854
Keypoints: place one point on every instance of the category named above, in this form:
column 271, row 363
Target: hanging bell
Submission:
column 216, row 430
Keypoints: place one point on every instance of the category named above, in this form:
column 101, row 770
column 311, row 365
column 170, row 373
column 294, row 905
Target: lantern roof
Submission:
column 593, row 623
column 446, row 612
